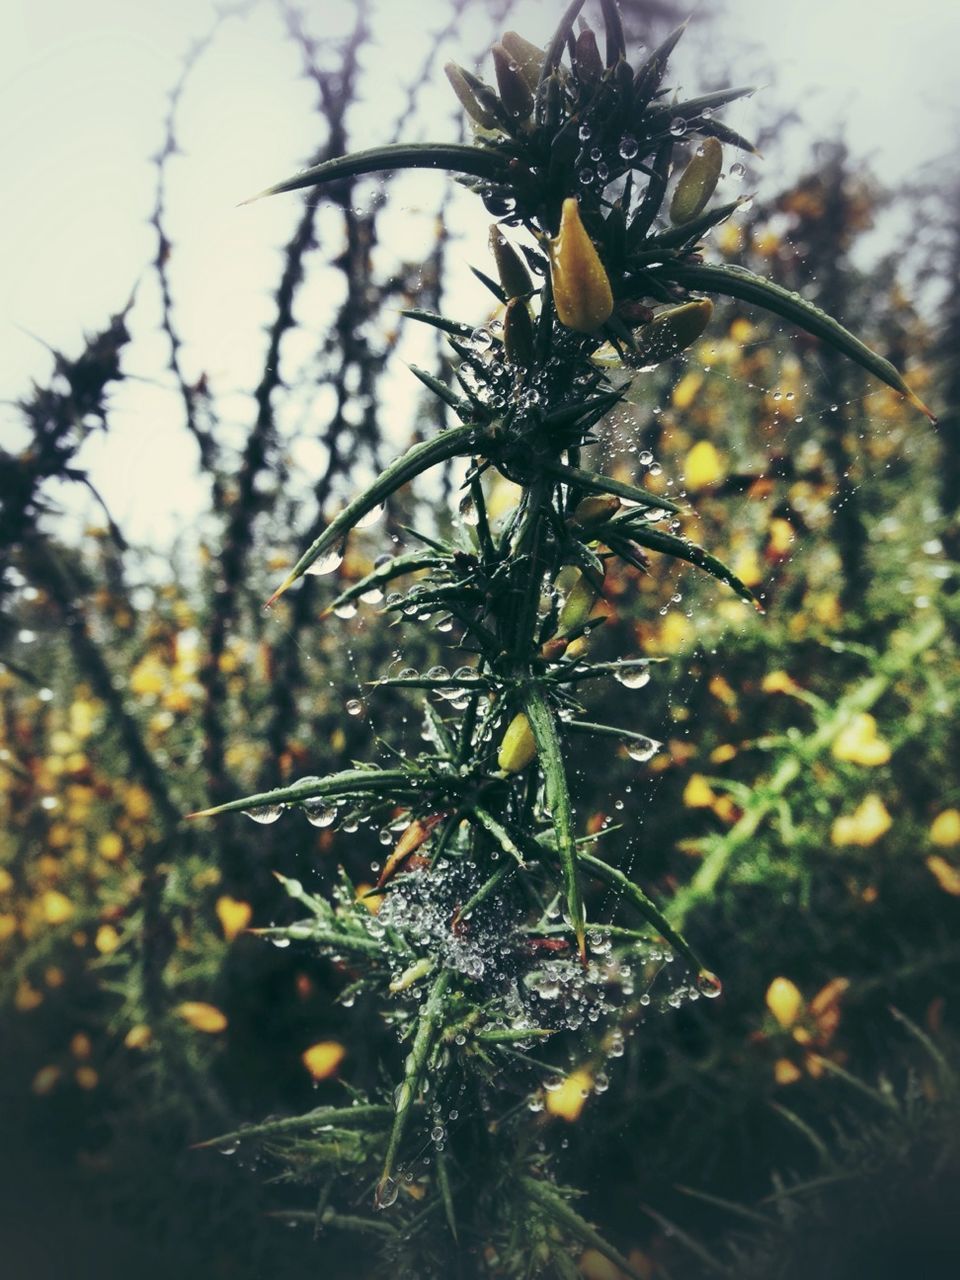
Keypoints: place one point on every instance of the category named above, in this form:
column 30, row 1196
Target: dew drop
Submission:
column 324, row 564
column 265, row 814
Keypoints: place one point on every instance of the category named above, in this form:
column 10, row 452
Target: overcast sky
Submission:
column 82, row 97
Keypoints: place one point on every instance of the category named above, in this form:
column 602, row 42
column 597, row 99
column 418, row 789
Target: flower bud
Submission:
column 581, row 287
column 518, row 333
column 518, row 747
column 671, row 331
column 512, row 270
column 697, row 182
column 528, row 57
column 581, row 596
column 586, row 57
column 515, row 93
column 468, row 100
column 596, row 509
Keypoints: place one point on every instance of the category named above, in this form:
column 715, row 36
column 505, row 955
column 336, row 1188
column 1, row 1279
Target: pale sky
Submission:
column 82, row 98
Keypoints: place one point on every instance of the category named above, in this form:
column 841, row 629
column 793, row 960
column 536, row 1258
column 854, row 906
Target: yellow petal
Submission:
column 234, row 916
column 784, row 1001
column 323, row 1059
column 107, row 939
column 860, row 743
column 202, row 1017
column 138, row 1037
column 593, row 1265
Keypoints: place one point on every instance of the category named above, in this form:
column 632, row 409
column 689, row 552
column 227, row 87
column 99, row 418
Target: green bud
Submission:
column 596, row 509
column 515, row 94
column 697, row 182
column 582, row 595
column 528, row 57
column 468, row 99
column 512, row 270
column 518, row 333
column 586, row 58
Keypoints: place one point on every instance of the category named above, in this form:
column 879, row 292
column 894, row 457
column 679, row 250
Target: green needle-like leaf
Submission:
column 349, row 782
column 737, row 282
column 670, row 545
column 596, row 483
column 453, row 157
column 421, row 457
column 544, row 725
column 428, row 1027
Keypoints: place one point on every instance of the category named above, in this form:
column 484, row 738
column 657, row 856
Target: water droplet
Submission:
column 325, row 564
column 371, row 518
column 708, row 984
column 387, row 1193
column 468, row 511
column 678, row 126
column 266, row 814
column 318, row 814
column 737, row 171
column 354, row 707
column 644, row 750
column 628, row 147
column 634, row 677
column 346, row 610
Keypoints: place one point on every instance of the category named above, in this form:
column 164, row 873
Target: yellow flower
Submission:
column 81, row 1046
column 869, row 821
column 323, row 1059
column 57, row 908
column 234, row 916
column 86, row 1078
column 581, row 287
column 779, row 682
column 8, row 926
column 6, row 880
column 945, row 829
column 698, row 794
column 568, row 1100
column 784, row 1001
column 202, row 1017
column 859, row 742
column 137, row 802
column 946, row 875
column 26, row 997
column 685, row 392
column 703, row 466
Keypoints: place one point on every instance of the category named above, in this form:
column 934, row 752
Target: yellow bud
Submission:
column 518, row 747
column 581, row 597
column 234, row 916
column 57, row 908
column 138, row 1037
column 784, row 1001
column 697, row 182
column 671, row 331
column 581, row 287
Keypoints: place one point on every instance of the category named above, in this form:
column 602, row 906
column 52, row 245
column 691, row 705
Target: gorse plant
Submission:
column 479, row 942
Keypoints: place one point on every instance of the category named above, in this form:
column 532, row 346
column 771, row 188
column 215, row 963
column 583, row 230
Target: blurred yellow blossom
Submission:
column 138, row 1037
column 202, row 1017
column 698, row 794
column 868, row 822
column 945, row 829
column 107, row 939
column 234, row 916
column 859, row 742
column 45, row 1081
column 323, row 1059
column 57, row 907
column 703, row 466
column 945, row 873
column 784, row 1001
